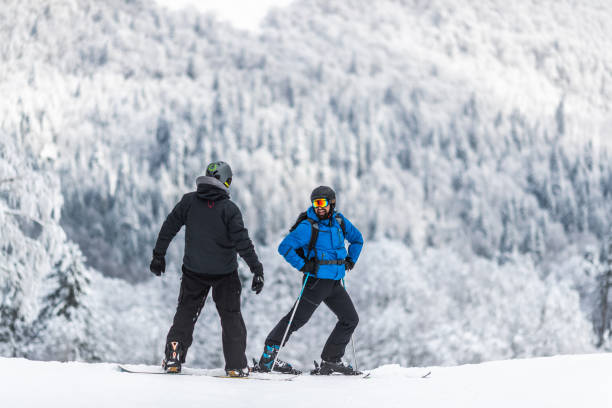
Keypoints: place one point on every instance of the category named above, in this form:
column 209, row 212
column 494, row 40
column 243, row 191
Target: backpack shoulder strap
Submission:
column 314, row 234
column 341, row 222
column 303, row 216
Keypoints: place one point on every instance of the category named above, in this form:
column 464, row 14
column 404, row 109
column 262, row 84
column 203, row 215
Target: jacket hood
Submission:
column 209, row 188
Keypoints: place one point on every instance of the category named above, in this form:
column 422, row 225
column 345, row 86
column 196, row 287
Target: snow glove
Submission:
column 309, row 266
column 158, row 264
column 348, row 263
column 258, row 281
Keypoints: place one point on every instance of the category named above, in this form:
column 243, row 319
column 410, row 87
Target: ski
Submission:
column 365, row 376
column 192, row 372
column 353, row 373
column 362, row 376
column 356, row 374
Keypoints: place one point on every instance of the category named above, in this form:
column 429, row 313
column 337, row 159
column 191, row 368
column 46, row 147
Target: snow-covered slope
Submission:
column 555, row 382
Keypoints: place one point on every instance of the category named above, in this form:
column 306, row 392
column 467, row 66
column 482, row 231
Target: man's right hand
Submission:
column 158, row 264
column 309, row 266
column 258, row 281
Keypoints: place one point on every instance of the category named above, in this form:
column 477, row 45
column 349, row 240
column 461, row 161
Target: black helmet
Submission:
column 221, row 171
column 324, row 192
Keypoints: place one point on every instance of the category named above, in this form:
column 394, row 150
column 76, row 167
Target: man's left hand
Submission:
column 158, row 264
column 348, row 263
column 258, row 281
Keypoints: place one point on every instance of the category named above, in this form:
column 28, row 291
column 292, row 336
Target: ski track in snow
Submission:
column 561, row 381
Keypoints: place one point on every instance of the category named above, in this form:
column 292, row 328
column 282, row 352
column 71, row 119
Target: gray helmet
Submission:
column 324, row 192
column 221, row 171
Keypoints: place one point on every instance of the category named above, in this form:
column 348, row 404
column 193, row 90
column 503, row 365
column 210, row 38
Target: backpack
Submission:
column 314, row 232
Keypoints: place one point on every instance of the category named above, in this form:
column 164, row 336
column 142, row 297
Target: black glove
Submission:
column 258, row 281
column 158, row 264
column 309, row 266
column 348, row 263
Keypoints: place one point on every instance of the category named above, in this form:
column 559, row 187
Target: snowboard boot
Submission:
column 337, row 366
column 238, row 372
column 175, row 356
column 267, row 359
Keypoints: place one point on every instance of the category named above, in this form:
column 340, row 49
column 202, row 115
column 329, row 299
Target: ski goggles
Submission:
column 320, row 202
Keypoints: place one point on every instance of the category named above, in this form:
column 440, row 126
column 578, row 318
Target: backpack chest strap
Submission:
column 334, row 262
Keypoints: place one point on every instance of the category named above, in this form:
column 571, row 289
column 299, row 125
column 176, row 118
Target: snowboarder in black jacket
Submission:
column 214, row 233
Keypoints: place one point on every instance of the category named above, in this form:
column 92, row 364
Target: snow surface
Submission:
column 561, row 381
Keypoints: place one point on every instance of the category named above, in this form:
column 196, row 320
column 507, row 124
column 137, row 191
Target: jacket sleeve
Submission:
column 239, row 235
column 355, row 239
column 298, row 238
column 174, row 221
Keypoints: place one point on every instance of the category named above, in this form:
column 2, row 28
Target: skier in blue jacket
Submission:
column 324, row 265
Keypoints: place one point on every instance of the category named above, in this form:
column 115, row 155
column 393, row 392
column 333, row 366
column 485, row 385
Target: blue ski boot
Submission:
column 267, row 359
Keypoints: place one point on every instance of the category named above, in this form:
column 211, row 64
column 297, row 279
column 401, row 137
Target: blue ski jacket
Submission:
column 329, row 245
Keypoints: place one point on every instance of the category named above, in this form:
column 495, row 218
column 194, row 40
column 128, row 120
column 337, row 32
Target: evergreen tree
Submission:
column 605, row 316
column 13, row 327
column 64, row 324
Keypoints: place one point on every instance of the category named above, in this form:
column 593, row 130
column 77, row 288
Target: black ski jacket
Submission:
column 214, row 231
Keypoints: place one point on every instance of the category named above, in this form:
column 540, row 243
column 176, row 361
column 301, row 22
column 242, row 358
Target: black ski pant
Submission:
column 226, row 295
column 333, row 294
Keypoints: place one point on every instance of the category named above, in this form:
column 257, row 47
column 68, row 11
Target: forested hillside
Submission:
column 469, row 143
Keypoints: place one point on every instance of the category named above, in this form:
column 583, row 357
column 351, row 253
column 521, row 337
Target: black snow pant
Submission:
column 333, row 294
column 226, row 294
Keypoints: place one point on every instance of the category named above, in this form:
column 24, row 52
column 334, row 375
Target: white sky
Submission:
column 244, row 14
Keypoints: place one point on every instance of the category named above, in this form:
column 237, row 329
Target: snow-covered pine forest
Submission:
column 470, row 142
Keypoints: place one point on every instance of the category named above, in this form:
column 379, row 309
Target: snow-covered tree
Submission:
column 65, row 323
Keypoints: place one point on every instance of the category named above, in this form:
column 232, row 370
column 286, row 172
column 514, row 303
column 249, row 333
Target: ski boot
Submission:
column 336, row 366
column 238, row 372
column 175, row 356
column 267, row 359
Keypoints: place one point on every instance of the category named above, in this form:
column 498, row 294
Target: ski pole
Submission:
column 295, row 306
column 352, row 341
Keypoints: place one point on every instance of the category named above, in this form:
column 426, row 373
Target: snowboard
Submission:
column 204, row 373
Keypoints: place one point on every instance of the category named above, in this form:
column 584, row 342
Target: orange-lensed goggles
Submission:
column 320, row 202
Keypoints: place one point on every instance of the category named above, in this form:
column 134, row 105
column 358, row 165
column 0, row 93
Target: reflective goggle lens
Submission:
column 319, row 202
